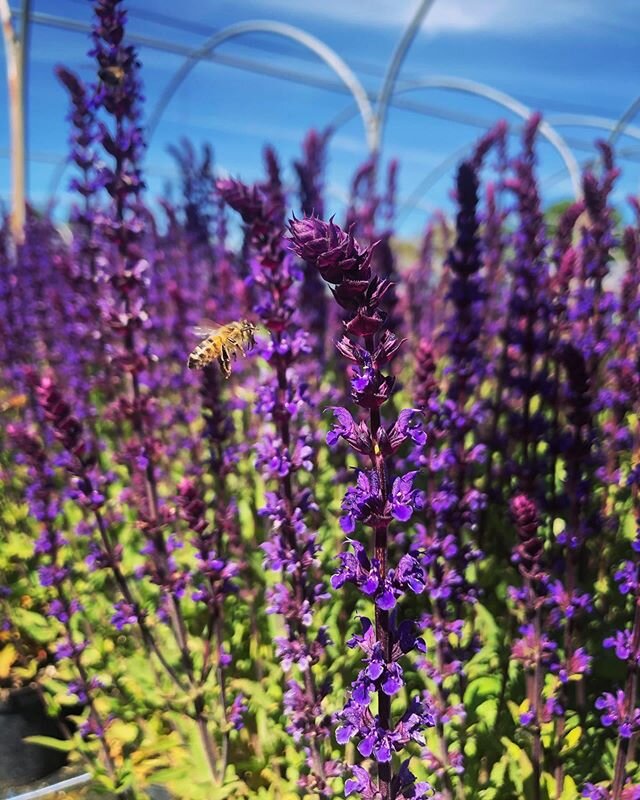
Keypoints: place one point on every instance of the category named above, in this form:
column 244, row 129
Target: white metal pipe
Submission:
column 388, row 85
column 506, row 101
column 46, row 791
column 329, row 56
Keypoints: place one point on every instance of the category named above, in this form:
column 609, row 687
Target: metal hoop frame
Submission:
column 325, row 53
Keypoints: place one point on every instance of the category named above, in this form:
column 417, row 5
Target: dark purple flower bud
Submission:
column 67, row 428
column 579, row 386
column 529, row 554
column 334, row 253
column 242, row 198
column 425, row 383
column 192, row 506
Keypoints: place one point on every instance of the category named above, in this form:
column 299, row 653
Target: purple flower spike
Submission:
column 375, row 501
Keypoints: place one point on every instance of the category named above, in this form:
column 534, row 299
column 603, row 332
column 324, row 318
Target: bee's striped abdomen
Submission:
column 206, row 352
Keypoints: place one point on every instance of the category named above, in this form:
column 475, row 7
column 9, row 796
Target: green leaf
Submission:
column 7, row 657
column 571, row 739
column 125, row 732
column 64, row 745
column 497, row 779
column 569, row 789
column 480, row 689
column 487, row 624
column 487, row 712
column 520, row 767
column 171, row 774
column 36, row 625
column 230, row 790
column 548, row 785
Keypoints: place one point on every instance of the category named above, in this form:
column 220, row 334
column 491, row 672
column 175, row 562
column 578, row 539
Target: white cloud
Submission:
column 452, row 16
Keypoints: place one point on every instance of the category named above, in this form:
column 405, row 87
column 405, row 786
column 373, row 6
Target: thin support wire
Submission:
column 588, row 121
column 624, row 120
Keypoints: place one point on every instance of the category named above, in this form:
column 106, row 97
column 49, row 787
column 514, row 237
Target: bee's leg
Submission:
column 247, row 342
column 225, row 361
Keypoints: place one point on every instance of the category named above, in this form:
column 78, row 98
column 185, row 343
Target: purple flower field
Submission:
column 396, row 554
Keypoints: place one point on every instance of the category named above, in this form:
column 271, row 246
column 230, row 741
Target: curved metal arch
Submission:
column 500, row 98
column 325, row 53
column 391, row 75
column 511, row 104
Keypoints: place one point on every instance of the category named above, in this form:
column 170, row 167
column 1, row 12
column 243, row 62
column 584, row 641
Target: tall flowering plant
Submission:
column 284, row 453
column 453, row 504
column 375, row 501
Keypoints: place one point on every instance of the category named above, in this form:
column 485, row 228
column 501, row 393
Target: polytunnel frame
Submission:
column 503, row 99
column 373, row 121
column 323, row 51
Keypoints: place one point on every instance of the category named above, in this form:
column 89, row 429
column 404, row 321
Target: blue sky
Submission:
column 558, row 56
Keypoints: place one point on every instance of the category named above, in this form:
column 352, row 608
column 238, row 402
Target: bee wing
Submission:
column 205, row 328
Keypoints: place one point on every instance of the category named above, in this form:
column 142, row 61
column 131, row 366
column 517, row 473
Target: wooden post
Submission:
column 14, row 50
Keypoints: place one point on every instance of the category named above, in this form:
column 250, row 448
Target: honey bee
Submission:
column 112, row 75
column 222, row 342
column 12, row 402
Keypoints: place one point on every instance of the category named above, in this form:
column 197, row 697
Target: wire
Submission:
column 62, row 159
